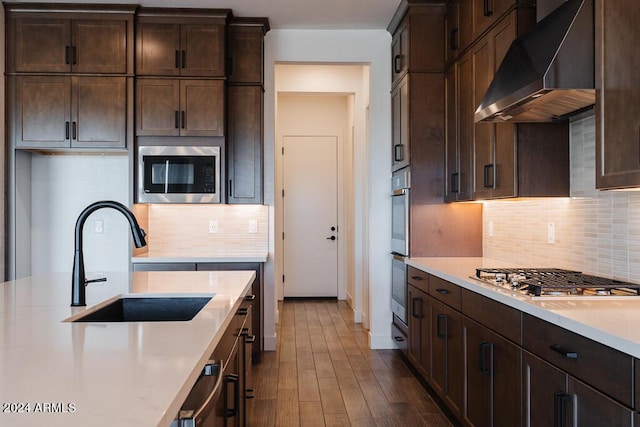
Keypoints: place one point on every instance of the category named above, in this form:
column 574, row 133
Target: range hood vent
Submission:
column 548, row 73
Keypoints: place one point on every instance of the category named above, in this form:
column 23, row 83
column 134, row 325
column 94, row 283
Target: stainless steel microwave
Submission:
column 178, row 174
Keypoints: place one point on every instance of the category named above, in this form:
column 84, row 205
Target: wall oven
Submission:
column 400, row 185
column 178, row 174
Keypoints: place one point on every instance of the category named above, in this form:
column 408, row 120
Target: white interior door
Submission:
column 310, row 175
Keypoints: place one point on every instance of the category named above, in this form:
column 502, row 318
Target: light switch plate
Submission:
column 253, row 226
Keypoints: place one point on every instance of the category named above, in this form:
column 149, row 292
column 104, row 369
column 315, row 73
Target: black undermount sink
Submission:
column 148, row 309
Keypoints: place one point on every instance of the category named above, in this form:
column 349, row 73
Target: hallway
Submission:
column 323, row 374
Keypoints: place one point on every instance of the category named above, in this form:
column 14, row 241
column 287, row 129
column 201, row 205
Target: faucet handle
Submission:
column 99, row 279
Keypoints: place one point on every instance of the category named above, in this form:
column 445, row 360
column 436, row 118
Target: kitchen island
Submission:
column 55, row 372
column 612, row 322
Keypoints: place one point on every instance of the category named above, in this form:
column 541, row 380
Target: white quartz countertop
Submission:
column 611, row 322
column 106, row 374
column 177, row 258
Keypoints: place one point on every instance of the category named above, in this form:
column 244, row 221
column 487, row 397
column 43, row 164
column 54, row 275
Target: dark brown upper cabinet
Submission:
column 244, row 144
column 180, row 42
column 58, row 112
column 458, row 28
column 486, row 13
column 69, row 39
column 179, row 107
column 245, row 47
column 617, row 94
column 417, row 43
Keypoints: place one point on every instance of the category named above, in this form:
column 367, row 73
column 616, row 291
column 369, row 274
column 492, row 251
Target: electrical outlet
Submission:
column 253, row 226
column 551, row 233
column 98, row 226
column 490, row 228
column 213, row 226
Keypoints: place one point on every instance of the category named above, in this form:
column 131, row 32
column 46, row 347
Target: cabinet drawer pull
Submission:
column 243, row 311
column 443, row 291
column 489, row 180
column 416, row 278
column 397, row 64
column 486, row 358
column 417, row 313
column 455, row 184
column 183, row 119
column 66, row 130
column 563, row 351
column 250, row 297
column 442, row 318
column 398, row 152
column 176, row 119
column 249, row 339
column 177, row 62
column 398, row 339
column 560, row 400
column 454, row 39
column 488, row 10
column 233, row 379
column 74, row 130
column 249, row 393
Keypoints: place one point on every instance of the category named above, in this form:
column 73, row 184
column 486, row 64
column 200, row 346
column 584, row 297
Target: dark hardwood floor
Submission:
column 323, row 374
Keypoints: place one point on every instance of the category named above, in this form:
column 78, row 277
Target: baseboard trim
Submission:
column 381, row 342
column 270, row 343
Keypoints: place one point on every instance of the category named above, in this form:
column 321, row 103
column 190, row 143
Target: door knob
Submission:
column 333, row 229
column 331, row 238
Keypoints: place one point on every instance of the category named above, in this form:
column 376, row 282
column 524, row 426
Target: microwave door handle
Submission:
column 166, row 177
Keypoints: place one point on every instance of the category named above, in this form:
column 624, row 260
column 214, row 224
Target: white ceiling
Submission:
column 287, row 14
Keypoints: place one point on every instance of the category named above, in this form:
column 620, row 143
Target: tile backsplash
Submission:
column 596, row 232
column 184, row 230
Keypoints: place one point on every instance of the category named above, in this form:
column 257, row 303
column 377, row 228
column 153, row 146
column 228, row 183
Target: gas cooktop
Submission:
column 554, row 282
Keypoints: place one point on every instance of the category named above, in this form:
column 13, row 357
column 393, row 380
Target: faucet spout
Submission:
column 78, row 282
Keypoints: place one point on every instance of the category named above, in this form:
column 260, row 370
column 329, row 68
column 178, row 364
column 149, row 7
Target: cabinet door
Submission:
column 157, row 107
column 399, row 54
column 244, row 144
column 447, row 363
column 202, row 50
column 201, row 108
column 42, row 112
column 544, row 388
column 99, row 106
column 452, row 174
column 99, row 46
column 487, row 12
column 617, row 93
column 493, row 378
column 400, row 125
column 451, row 31
column 157, row 49
column 245, row 54
column 495, row 149
column 418, row 349
column 42, row 45
column 594, row 408
column 464, row 87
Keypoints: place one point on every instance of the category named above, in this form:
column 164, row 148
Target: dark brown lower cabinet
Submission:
column 418, row 349
column 492, row 378
column 553, row 398
column 447, row 358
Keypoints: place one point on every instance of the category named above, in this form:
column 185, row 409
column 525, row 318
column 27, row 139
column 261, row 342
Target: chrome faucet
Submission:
column 79, row 281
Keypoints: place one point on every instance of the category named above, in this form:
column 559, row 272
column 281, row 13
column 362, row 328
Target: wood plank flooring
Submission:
column 323, row 374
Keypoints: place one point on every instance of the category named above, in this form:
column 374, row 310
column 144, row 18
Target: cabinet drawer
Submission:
column 604, row 368
column 418, row 278
column 446, row 292
column 501, row 318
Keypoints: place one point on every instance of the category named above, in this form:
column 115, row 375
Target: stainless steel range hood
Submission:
column 547, row 73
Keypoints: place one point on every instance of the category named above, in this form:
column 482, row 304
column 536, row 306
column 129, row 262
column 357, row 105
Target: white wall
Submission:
column 60, row 187
column 371, row 163
column 596, row 232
